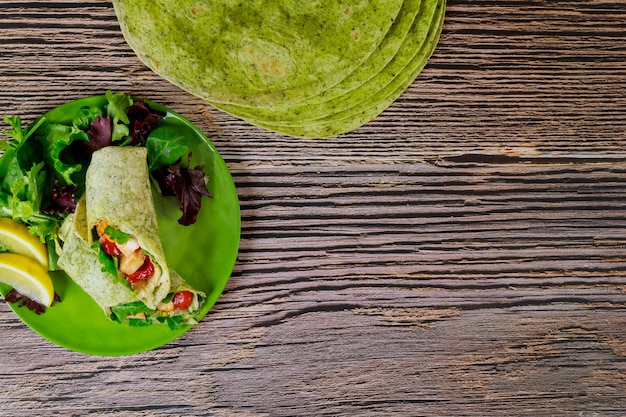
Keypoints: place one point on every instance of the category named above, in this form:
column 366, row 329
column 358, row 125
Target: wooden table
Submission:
column 464, row 254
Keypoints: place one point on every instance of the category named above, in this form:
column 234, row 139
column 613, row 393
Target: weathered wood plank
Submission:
column 463, row 254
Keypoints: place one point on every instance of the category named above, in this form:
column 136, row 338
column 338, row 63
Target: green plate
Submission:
column 203, row 253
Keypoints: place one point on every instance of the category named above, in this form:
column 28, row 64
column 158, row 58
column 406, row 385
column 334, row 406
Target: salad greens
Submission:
column 122, row 312
column 109, row 263
column 116, row 235
column 131, row 312
column 166, row 145
column 24, row 180
column 116, row 110
column 42, row 167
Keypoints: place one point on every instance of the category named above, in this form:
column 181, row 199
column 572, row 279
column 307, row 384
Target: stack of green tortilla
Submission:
column 313, row 69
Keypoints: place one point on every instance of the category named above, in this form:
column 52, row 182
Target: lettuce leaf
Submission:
column 121, row 312
column 116, row 110
column 55, row 138
column 109, row 263
column 116, row 235
column 173, row 322
column 85, row 115
column 165, row 145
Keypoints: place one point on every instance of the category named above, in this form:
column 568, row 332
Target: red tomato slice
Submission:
column 182, row 300
column 144, row 272
column 109, row 247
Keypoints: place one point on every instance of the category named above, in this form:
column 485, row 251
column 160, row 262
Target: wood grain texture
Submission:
column 464, row 254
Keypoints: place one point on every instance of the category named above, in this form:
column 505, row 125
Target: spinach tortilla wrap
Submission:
column 344, row 116
column 329, row 107
column 256, row 53
column 82, row 264
column 310, row 69
column 116, row 298
column 120, row 210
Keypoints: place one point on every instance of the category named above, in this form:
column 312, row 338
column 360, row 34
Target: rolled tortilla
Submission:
column 166, row 312
column 117, row 190
column 81, row 263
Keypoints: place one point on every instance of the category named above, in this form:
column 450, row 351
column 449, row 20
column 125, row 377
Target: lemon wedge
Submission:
column 15, row 238
column 27, row 277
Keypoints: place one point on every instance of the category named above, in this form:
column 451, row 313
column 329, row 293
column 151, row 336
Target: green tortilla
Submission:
column 407, row 34
column 187, row 316
column 296, row 69
column 78, row 260
column 369, row 107
column 81, row 263
column 117, row 190
column 259, row 52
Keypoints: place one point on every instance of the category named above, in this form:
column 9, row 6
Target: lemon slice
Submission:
column 15, row 238
column 27, row 277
